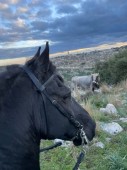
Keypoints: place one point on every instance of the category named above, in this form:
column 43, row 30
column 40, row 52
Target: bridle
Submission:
column 41, row 88
column 80, row 131
column 95, row 84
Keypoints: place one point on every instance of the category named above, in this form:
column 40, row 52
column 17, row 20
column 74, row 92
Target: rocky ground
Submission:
column 82, row 63
column 77, row 63
column 86, row 60
column 108, row 149
column 108, row 108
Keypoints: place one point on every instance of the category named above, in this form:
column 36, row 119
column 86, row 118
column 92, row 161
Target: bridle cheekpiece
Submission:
column 41, row 88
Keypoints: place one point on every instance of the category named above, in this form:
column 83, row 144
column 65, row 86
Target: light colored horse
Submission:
column 89, row 82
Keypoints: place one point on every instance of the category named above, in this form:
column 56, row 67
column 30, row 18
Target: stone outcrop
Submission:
column 99, row 145
column 111, row 128
column 110, row 109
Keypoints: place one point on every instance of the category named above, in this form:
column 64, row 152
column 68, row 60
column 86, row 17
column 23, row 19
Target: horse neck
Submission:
column 18, row 132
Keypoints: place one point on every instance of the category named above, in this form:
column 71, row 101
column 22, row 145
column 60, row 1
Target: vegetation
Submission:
column 114, row 70
column 114, row 155
column 69, row 73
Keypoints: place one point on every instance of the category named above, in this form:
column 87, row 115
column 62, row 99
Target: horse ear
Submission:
column 36, row 56
column 44, row 57
column 37, row 53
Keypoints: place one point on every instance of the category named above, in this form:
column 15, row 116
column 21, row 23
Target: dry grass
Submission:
column 94, row 112
column 122, row 86
column 81, row 95
column 114, row 99
column 113, row 94
column 110, row 95
column 105, row 88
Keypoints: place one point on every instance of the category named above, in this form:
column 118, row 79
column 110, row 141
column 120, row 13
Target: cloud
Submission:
column 24, row 44
column 20, row 22
column 22, row 9
column 13, row 1
column 66, row 9
column 74, row 24
column 3, row 6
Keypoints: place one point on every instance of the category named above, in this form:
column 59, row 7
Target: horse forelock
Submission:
column 38, row 69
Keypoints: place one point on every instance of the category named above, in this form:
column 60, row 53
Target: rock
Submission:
column 123, row 119
column 64, row 143
column 98, row 91
column 111, row 128
column 110, row 109
column 103, row 110
column 108, row 139
column 99, row 144
column 58, row 140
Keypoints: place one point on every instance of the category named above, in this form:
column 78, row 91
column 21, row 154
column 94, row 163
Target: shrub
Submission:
column 114, row 70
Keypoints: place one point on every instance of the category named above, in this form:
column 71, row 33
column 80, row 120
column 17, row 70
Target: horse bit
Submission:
column 81, row 132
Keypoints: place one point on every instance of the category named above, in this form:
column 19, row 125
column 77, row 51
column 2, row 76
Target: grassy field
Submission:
column 114, row 155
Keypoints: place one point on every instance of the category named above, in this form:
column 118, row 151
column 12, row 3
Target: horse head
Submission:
column 60, row 116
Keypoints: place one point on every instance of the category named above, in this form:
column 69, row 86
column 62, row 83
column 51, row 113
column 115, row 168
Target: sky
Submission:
column 66, row 24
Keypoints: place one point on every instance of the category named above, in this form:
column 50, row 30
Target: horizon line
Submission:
column 21, row 60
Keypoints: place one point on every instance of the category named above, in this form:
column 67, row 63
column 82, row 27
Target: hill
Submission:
column 111, row 154
column 77, row 57
column 83, row 63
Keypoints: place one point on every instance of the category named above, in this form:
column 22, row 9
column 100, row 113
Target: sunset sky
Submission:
column 66, row 24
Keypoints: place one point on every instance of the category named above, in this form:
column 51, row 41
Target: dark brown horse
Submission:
column 35, row 104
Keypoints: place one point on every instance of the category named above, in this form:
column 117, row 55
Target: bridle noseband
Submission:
column 41, row 88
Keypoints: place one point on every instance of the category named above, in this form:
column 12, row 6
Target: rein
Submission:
column 51, row 147
column 41, row 88
column 80, row 158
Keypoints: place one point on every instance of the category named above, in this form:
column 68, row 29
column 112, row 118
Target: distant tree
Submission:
column 114, row 70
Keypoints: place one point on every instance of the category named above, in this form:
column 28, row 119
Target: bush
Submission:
column 114, row 70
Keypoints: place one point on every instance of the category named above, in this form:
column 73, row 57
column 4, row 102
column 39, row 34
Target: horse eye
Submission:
column 59, row 84
column 60, row 78
column 67, row 96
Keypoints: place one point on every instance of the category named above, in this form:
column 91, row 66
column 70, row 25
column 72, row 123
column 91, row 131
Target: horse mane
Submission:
column 8, row 75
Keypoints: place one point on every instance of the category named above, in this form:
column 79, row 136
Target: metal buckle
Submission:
column 83, row 136
column 54, row 102
column 78, row 124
